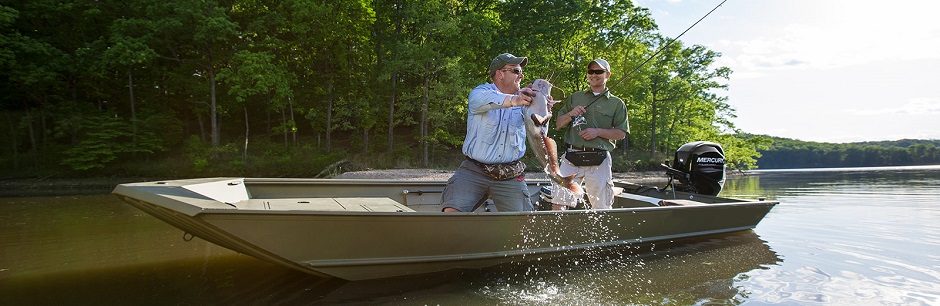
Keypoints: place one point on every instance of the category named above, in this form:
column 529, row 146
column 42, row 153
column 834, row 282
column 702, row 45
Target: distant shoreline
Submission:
column 35, row 187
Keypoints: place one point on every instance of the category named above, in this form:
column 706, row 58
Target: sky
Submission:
column 821, row 70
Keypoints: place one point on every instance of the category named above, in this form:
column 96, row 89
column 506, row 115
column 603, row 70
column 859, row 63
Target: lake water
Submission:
column 861, row 236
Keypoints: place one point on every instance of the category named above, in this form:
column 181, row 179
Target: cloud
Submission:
column 834, row 34
column 842, row 70
column 916, row 106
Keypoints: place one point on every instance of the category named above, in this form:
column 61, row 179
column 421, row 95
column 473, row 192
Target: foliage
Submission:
column 269, row 159
column 791, row 153
column 113, row 86
column 105, row 139
column 743, row 153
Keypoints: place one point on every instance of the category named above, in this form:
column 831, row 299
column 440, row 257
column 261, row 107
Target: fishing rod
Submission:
column 575, row 121
column 661, row 48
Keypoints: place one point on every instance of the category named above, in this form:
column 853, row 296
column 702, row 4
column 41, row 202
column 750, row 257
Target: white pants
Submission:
column 597, row 182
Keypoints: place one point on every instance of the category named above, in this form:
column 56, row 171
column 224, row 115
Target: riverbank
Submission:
column 75, row 186
column 28, row 187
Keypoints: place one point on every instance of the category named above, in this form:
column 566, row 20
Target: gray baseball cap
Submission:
column 602, row 62
column 507, row 59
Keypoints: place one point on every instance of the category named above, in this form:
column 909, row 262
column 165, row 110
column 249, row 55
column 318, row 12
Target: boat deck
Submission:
column 363, row 204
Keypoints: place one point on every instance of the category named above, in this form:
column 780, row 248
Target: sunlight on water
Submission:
column 575, row 278
column 855, row 237
column 683, row 274
column 852, row 237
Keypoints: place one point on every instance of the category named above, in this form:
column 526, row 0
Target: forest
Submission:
column 785, row 153
column 301, row 88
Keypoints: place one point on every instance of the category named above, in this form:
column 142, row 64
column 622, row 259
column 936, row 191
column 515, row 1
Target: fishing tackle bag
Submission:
column 586, row 158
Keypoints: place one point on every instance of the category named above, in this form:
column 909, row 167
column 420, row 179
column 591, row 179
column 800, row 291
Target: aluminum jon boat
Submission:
column 366, row 229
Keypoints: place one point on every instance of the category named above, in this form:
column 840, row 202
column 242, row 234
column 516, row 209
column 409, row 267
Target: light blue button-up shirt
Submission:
column 495, row 134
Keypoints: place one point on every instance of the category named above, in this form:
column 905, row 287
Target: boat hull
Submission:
column 359, row 230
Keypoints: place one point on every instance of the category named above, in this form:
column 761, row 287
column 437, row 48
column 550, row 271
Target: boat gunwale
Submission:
column 238, row 210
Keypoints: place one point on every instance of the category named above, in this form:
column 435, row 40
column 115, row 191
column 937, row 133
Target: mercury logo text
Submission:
column 711, row 160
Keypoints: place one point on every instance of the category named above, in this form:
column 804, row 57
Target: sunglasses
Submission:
column 598, row 71
column 513, row 70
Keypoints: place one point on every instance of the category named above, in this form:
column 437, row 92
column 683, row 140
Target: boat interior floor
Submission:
column 371, row 204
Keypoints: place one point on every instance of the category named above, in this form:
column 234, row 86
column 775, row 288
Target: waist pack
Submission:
column 501, row 172
column 586, row 158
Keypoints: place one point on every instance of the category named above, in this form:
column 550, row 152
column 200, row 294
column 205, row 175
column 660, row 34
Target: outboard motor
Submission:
column 699, row 168
column 544, row 199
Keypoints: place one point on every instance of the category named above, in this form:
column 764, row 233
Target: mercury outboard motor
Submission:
column 699, row 167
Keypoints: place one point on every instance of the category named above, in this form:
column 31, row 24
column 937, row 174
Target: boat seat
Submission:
column 639, row 198
column 679, row 203
column 657, row 201
column 364, row 204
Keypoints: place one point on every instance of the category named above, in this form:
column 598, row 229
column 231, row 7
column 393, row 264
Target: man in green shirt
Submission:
column 597, row 120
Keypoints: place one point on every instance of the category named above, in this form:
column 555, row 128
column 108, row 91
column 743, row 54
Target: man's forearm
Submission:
column 612, row 134
column 562, row 120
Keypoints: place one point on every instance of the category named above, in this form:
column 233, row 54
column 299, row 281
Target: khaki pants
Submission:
column 597, row 182
column 469, row 187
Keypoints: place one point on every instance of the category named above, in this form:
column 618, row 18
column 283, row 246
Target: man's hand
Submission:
column 591, row 133
column 528, row 92
column 577, row 111
column 523, row 97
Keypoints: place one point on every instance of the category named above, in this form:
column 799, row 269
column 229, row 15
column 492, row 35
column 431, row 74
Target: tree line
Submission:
column 786, row 153
column 291, row 87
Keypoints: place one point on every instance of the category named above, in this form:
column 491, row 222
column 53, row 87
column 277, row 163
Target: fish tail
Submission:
column 569, row 183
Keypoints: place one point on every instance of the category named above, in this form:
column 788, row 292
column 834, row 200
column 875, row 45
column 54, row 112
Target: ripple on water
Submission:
column 876, row 247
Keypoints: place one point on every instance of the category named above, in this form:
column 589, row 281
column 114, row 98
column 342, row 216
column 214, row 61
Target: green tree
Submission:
column 32, row 63
column 128, row 50
column 256, row 75
column 157, row 72
column 105, row 139
column 196, row 37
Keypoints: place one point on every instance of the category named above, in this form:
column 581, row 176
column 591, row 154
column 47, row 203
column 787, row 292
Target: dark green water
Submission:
column 845, row 237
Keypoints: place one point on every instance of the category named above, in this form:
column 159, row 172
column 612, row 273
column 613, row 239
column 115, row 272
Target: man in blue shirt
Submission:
column 495, row 143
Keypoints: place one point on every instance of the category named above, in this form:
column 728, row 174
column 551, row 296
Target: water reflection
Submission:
column 232, row 279
column 684, row 272
column 732, row 269
column 850, row 236
column 913, row 180
column 856, row 237
column 97, row 250
column 40, row 235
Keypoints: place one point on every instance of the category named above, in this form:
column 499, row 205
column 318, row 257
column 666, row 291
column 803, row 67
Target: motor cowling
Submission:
column 704, row 165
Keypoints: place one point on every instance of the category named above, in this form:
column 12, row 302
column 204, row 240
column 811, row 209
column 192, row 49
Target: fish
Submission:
column 537, row 118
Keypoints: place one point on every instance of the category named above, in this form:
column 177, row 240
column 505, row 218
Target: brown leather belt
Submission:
column 584, row 149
